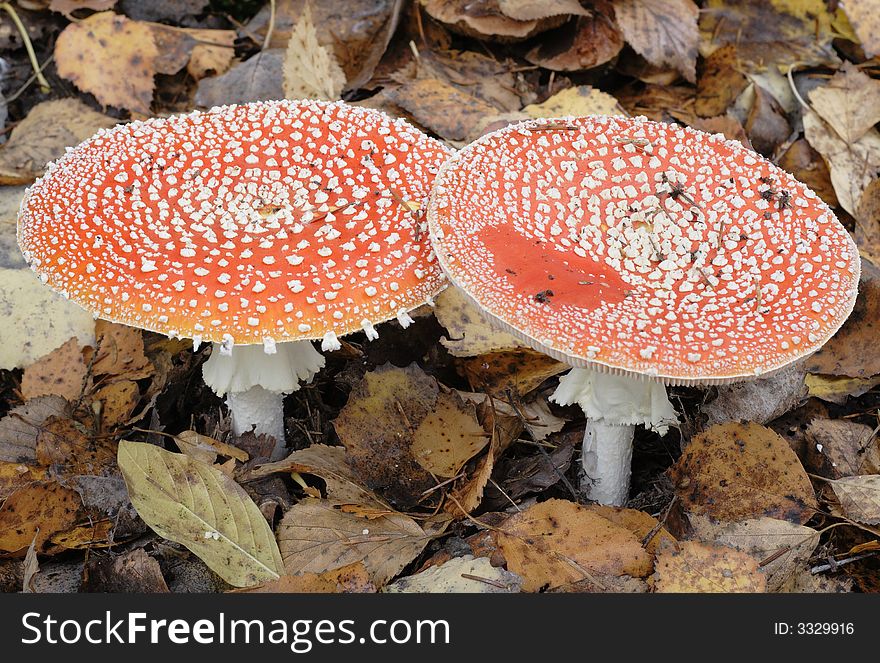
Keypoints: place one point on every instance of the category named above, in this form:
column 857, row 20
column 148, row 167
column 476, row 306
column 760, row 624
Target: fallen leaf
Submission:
column 43, row 135
column 588, row 42
column 448, row 437
column 118, row 401
column 111, row 57
column 770, row 32
column 840, row 448
column 759, row 400
column 867, row 230
column 849, row 102
column 852, row 350
column 203, row 447
column 314, row 537
column 852, row 165
column 198, row 506
column 536, row 472
column 66, row 445
column 519, row 371
column 131, row 572
column 721, row 81
column 736, row 471
column 62, row 372
column 256, row 79
column 782, row 549
column 349, row 579
column 120, row 352
column 442, row 108
column 806, row 165
column 558, row 542
column 836, row 389
column 725, row 124
column 693, row 567
column 20, row 428
column 663, row 31
column 18, row 475
column 172, row 11
column 460, row 575
column 581, row 100
column 530, row 10
column 483, row 18
column 310, row 69
column 34, row 513
column 470, row 333
column 377, row 425
column 865, row 18
column 639, row 523
column 10, row 201
column 659, row 102
column 766, row 124
column 67, row 7
column 859, row 497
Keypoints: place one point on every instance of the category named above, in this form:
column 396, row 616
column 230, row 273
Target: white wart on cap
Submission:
column 642, row 248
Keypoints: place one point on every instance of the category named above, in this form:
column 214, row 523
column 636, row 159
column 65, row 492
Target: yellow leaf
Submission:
column 693, row 567
column 198, row 506
column 448, row 437
column 849, row 102
column 836, row 389
column 310, row 70
column 578, row 101
column 470, row 333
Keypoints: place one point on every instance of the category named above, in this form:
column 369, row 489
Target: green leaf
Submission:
column 198, row 506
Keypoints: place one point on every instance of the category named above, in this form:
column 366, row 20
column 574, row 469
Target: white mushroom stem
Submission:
column 614, row 405
column 255, row 379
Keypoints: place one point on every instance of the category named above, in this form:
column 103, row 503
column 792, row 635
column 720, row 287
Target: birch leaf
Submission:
column 664, row 32
column 860, row 497
column 310, row 70
column 198, row 506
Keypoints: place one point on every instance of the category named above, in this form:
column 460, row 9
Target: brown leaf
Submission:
column 441, row 107
column 840, row 448
column 852, row 350
column 349, row 579
column 530, row 10
column 537, row 472
column 46, row 507
column 721, row 124
column 67, row 7
column 583, row 44
column 258, row 78
column 131, row 572
column 62, row 372
column 465, row 574
column 118, row 400
column 691, row 566
column 17, row 475
column 860, row 497
column 518, row 370
column 867, row 230
column 20, row 428
column 43, row 135
column 558, row 542
column 766, row 124
column 806, row 164
column 849, row 102
column 315, row 537
column 469, row 332
column 63, row 443
column 639, row 523
column 483, row 18
column 111, row 57
column 736, row 471
column 663, row 31
column 448, row 437
column 377, row 425
column 721, row 81
column 120, row 351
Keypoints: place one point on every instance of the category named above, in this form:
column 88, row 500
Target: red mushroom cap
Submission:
column 643, row 248
column 264, row 222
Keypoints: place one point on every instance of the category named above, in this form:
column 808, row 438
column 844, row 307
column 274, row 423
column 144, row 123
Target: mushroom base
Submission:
column 606, row 457
column 256, row 382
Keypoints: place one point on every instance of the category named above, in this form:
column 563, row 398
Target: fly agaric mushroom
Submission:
column 261, row 226
column 642, row 254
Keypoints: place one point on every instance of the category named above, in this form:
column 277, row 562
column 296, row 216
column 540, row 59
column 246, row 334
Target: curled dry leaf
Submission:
column 201, row 508
column 849, row 102
column 470, row 333
column 41, row 319
column 459, row 575
column 350, row 579
column 859, row 497
column 62, row 372
column 852, row 350
column 736, row 471
column 315, row 536
column 766, row 124
column 42, row 136
column 582, row 100
column 310, row 69
column 484, row 18
column 441, row 107
column 588, row 42
column 839, row 448
column 852, row 165
column 537, row 472
column 693, row 567
column 663, row 31
column 20, row 428
column 559, row 542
